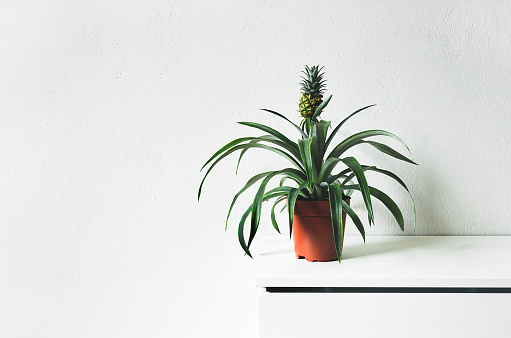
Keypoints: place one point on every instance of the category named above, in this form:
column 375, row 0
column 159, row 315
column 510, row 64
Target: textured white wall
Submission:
column 108, row 110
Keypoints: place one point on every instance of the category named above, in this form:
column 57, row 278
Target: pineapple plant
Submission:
column 313, row 173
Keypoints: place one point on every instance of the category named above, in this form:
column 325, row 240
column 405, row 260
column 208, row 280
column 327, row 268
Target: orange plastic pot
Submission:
column 313, row 235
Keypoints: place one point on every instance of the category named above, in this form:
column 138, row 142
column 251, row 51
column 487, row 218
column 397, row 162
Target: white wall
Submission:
column 109, row 109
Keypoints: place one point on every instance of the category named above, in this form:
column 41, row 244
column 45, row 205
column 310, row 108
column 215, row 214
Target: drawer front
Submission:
column 385, row 315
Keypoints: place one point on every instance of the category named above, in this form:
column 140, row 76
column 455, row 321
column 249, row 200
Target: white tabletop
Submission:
column 393, row 261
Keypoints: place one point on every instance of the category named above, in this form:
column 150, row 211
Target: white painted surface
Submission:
column 393, row 261
column 403, row 315
column 389, row 261
column 108, row 110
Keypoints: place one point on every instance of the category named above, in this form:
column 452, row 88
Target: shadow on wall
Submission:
column 436, row 214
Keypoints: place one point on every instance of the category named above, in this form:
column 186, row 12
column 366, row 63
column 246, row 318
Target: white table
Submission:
column 400, row 286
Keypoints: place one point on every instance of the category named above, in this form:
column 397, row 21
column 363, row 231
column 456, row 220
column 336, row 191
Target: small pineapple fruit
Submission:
column 312, row 89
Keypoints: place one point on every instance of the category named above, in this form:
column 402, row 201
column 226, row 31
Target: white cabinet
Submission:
column 400, row 286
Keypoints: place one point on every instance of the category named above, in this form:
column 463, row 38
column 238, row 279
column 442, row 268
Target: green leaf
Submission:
column 386, row 200
column 271, row 139
column 244, row 146
column 292, row 147
column 333, row 178
column 354, row 217
column 316, row 191
column 241, row 236
column 352, row 175
column 391, row 205
column 271, row 131
column 316, row 158
column 226, row 147
column 400, row 181
column 272, row 213
column 275, row 192
column 320, row 108
column 326, row 169
column 324, row 190
column 306, row 126
column 395, row 177
column 326, row 125
column 346, row 192
column 249, row 183
column 358, row 138
column 320, row 130
column 283, row 208
column 296, row 179
column 241, row 156
column 258, row 199
column 291, row 200
column 305, row 151
column 282, row 191
column 335, row 197
column 336, row 129
column 353, row 164
column 389, row 151
column 285, row 118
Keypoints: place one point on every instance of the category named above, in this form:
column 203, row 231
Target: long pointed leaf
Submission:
column 305, row 152
column 353, row 164
column 335, row 197
column 320, row 130
column 249, row 183
column 275, row 192
column 241, row 156
column 352, row 175
column 291, row 200
column 258, row 199
column 256, row 140
column 285, row 118
column 270, row 131
column 281, row 191
column 320, row 108
column 336, row 129
column 357, row 138
column 391, row 205
column 283, row 208
column 272, row 213
column 333, row 178
column 389, row 151
column 354, row 217
column 241, row 236
column 282, row 180
column 274, row 140
column 244, row 146
column 226, row 147
column 326, row 169
column 386, row 200
column 316, row 191
column 316, row 157
column 274, row 137
column 400, row 181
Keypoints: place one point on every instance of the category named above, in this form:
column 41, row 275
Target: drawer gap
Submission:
column 386, row 290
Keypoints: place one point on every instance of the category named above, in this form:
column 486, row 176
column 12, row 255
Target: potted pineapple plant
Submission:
column 316, row 191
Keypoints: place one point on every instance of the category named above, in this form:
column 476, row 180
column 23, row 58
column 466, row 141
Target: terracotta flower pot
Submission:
column 313, row 235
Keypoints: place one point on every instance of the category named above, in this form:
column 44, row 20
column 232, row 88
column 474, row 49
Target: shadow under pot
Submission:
column 313, row 235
